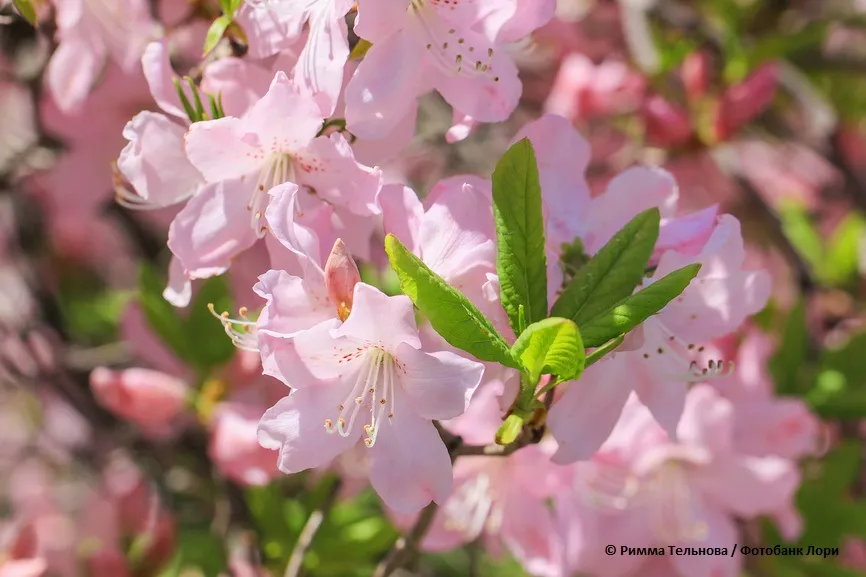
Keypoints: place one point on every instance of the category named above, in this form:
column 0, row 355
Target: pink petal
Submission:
column 385, row 85
column 583, row 418
column 563, row 156
column 234, row 446
column 721, row 532
column 378, row 19
column 283, row 215
column 749, row 486
column 629, row 193
column 283, row 120
column 160, row 77
column 438, row 385
column 270, row 28
column 378, row 318
column 707, row 420
column 320, row 67
column 155, row 163
column 212, row 228
column 409, row 464
column 296, row 427
column 664, row 398
column 240, row 83
column 530, row 534
column 72, row 71
column 328, row 166
column 401, row 214
column 461, row 127
column 486, row 99
column 526, row 17
column 314, row 356
column 217, row 149
column 687, row 234
column 178, row 291
column 457, row 232
column 293, row 304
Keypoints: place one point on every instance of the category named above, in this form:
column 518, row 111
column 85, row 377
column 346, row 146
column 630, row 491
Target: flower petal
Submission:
column 385, row 86
column 409, row 464
column 212, row 228
column 438, row 385
column 296, row 427
column 586, row 414
column 377, row 318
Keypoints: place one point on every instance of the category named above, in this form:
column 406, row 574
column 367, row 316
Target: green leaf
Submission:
column 212, row 348
column 215, row 33
column 613, row 273
column 199, row 108
column 452, row 315
column 187, row 107
column 551, row 347
column 161, row 316
column 27, row 11
column 521, row 262
column 509, row 430
column 635, row 309
column 226, row 6
column 785, row 364
column 842, row 260
column 360, row 49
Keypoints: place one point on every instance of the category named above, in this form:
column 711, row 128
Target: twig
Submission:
column 296, row 561
column 406, row 548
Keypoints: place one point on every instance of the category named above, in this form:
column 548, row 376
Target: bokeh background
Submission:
column 757, row 105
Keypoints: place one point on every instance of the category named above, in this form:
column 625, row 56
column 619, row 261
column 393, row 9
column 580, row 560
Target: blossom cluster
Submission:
column 542, row 358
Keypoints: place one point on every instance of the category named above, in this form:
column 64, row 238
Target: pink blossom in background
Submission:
column 644, row 490
column 88, row 33
column 584, row 90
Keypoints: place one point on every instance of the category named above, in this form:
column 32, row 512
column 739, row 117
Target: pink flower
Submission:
column 154, row 161
column 341, row 276
column 243, row 158
column 274, row 25
column 644, row 491
column 744, row 101
column 455, row 48
column 667, row 125
column 234, row 447
column 584, row 90
column 665, row 360
column 371, row 363
column 150, row 399
column 765, row 424
column 20, row 557
column 88, row 32
column 502, row 500
column 241, row 82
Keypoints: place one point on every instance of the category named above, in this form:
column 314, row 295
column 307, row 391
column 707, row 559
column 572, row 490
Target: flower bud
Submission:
column 666, row 124
column 742, row 102
column 148, row 398
column 341, row 276
column 695, row 73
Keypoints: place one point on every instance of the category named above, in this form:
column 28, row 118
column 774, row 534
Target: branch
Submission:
column 406, row 548
column 311, row 527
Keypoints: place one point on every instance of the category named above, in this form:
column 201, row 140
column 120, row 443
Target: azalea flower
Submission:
column 455, row 48
column 643, row 490
column 372, row 364
column 244, row 158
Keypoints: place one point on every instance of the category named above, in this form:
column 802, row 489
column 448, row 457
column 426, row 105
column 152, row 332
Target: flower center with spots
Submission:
column 373, row 389
column 471, row 507
column 455, row 53
column 671, row 505
column 680, row 360
column 276, row 169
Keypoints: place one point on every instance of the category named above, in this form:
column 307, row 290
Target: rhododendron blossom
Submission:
column 371, row 365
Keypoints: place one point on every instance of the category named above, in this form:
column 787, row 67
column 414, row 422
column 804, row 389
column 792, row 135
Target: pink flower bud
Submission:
column 666, row 124
column 148, row 398
column 341, row 276
column 742, row 102
column 695, row 73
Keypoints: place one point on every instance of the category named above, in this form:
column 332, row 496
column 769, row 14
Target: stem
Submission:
column 406, row 548
column 603, row 350
column 308, row 533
